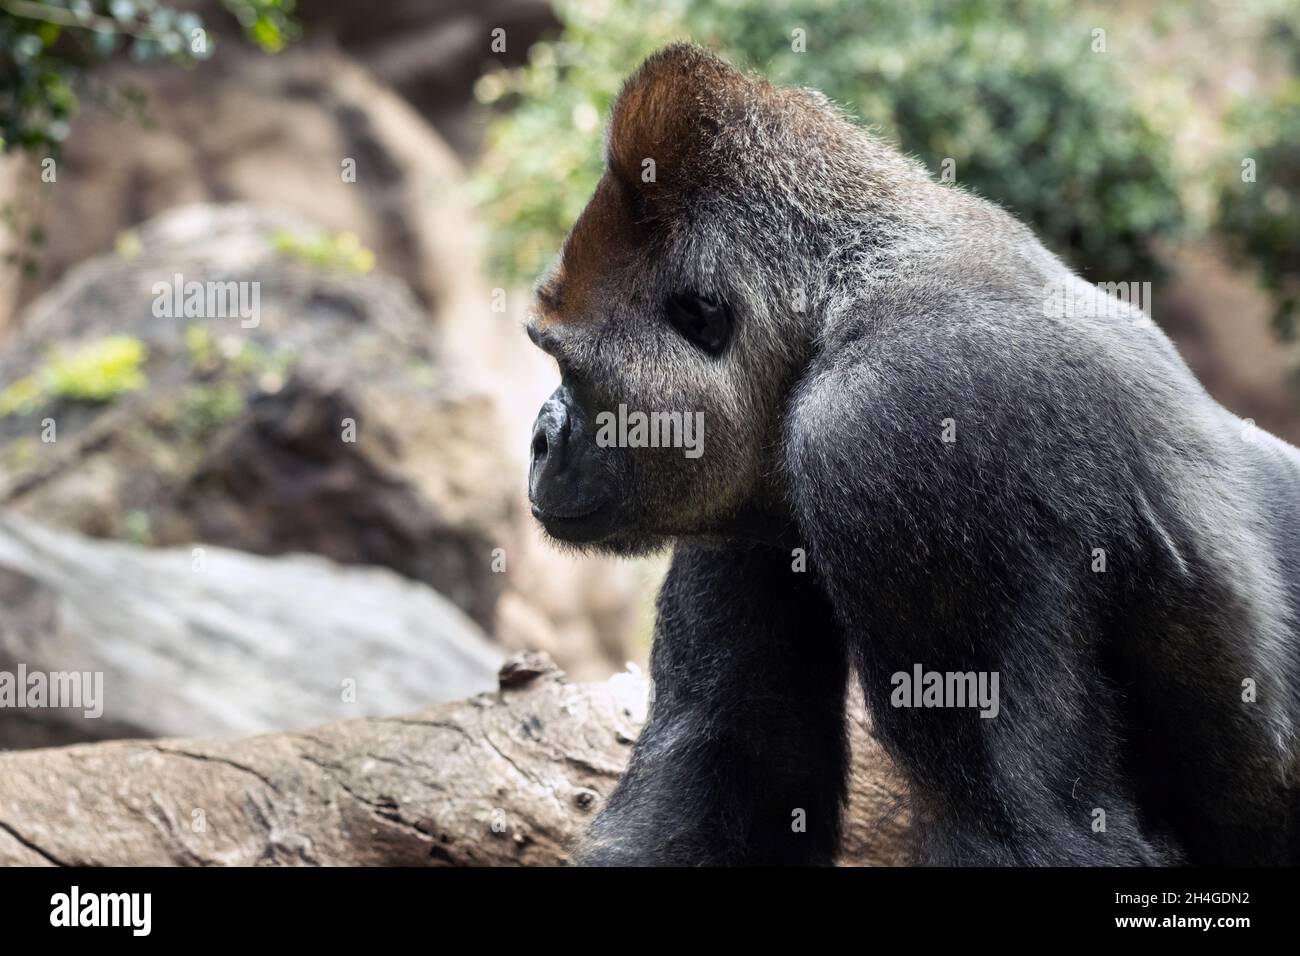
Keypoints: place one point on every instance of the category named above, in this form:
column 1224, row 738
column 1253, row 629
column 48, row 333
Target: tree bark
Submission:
column 504, row 778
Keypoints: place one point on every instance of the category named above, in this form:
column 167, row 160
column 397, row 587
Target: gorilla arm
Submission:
column 744, row 756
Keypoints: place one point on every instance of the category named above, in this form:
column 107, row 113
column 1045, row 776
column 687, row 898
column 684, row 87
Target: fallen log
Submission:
column 509, row 777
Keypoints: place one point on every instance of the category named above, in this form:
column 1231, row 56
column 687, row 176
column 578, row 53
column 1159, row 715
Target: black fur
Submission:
column 746, row 725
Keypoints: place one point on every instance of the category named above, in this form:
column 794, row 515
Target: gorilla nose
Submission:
column 550, row 436
column 569, row 484
column 550, row 432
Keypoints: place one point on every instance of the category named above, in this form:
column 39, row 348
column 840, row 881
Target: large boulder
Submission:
column 334, row 425
column 210, row 641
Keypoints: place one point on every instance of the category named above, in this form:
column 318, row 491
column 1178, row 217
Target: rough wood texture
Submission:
column 504, row 778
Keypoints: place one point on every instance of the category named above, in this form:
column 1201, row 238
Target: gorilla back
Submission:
column 994, row 470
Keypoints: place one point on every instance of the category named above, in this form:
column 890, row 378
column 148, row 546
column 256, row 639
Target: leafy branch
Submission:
column 46, row 47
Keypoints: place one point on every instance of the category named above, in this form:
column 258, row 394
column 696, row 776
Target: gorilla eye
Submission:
column 701, row 320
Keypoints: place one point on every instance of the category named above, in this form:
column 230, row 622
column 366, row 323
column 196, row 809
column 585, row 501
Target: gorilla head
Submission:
column 684, row 291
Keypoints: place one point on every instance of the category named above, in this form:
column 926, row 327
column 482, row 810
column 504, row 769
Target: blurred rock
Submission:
column 17, row 172
column 218, row 642
column 271, row 130
column 241, row 436
column 431, row 53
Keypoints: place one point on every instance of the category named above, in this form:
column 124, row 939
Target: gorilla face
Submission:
column 646, row 437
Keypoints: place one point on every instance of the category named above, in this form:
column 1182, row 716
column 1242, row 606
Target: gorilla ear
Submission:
column 668, row 112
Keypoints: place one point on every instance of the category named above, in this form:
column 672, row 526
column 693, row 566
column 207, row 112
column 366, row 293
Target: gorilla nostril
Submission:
column 550, row 446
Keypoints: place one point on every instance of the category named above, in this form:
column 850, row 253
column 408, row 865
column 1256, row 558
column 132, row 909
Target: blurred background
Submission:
column 184, row 506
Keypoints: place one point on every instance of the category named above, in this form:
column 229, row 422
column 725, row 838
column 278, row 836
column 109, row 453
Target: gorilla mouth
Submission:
column 585, row 527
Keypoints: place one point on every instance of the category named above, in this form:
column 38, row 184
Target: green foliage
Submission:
column 138, row 527
column 20, row 397
column 341, row 251
column 20, row 222
column 1259, row 200
column 201, row 347
column 1012, row 91
column 205, row 408
column 99, row 372
column 46, row 47
column 238, row 357
column 21, row 453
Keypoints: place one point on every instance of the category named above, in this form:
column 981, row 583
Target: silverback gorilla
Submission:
column 928, row 447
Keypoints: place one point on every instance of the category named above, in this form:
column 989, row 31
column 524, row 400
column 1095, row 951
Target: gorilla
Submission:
column 928, row 447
